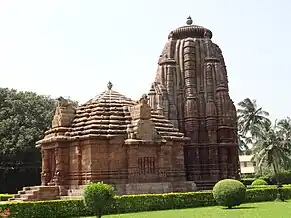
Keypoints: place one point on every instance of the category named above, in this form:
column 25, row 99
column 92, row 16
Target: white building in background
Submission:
column 247, row 166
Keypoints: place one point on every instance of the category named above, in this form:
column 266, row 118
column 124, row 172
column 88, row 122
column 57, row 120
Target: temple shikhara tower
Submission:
column 180, row 136
column 191, row 90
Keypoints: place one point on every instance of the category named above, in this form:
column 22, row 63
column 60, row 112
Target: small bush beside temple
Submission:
column 229, row 193
column 97, row 196
column 259, row 182
column 134, row 203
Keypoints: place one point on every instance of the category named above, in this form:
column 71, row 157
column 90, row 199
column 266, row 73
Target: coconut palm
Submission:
column 284, row 126
column 271, row 148
column 243, row 142
column 250, row 115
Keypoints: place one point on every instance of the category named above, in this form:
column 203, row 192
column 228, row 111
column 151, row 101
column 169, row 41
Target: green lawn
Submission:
column 255, row 210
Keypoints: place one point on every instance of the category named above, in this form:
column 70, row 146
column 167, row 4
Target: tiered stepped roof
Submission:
column 108, row 115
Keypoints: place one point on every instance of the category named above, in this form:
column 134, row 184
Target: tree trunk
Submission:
column 276, row 173
column 279, row 194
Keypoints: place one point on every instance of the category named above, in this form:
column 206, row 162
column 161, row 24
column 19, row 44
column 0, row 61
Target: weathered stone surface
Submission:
column 191, row 90
column 37, row 193
column 64, row 113
column 114, row 139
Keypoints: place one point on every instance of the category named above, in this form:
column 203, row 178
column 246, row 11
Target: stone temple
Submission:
column 191, row 90
column 180, row 136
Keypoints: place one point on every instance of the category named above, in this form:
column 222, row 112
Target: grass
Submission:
column 251, row 210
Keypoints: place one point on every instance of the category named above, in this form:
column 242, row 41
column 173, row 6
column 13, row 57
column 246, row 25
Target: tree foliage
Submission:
column 24, row 117
column 249, row 117
column 97, row 196
column 272, row 146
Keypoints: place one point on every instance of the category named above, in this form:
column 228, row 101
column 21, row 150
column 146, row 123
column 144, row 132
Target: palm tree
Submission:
column 249, row 115
column 271, row 148
column 285, row 127
column 243, row 142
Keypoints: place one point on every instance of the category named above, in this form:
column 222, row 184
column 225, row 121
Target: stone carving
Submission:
column 191, row 90
column 142, row 127
column 64, row 114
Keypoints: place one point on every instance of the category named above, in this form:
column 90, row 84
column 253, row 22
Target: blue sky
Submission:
column 73, row 48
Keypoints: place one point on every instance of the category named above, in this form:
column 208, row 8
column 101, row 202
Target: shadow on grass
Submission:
column 240, row 208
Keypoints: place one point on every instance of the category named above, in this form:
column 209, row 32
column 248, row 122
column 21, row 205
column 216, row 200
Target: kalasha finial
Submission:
column 109, row 85
column 189, row 21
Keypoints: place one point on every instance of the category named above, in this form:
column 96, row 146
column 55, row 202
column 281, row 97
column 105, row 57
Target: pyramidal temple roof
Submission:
column 107, row 115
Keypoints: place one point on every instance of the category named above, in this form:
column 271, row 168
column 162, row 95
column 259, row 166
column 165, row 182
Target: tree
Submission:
column 249, row 116
column 97, row 196
column 243, row 142
column 284, row 126
column 24, row 117
column 271, row 147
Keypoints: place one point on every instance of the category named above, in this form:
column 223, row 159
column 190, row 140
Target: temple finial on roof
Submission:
column 189, row 21
column 109, row 85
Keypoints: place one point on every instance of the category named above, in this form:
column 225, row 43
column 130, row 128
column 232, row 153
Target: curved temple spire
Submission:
column 191, row 90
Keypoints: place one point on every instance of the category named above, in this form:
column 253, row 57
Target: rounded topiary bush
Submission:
column 97, row 196
column 259, row 182
column 229, row 193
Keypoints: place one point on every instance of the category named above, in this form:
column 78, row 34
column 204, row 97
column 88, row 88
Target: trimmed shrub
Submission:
column 97, row 196
column 261, row 186
column 284, row 177
column 229, row 192
column 133, row 203
column 259, row 182
column 5, row 197
column 46, row 209
column 152, row 202
column 267, row 179
column 121, row 204
column 247, row 181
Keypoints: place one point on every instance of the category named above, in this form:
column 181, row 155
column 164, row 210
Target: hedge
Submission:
column 5, row 197
column 247, row 181
column 133, row 203
column 261, row 186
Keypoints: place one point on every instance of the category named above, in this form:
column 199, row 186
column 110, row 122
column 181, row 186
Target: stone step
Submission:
column 71, row 197
column 27, row 196
column 17, row 196
column 18, row 199
column 26, row 188
column 75, row 192
column 37, row 193
column 30, row 192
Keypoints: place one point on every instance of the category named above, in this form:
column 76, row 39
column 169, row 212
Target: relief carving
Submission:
column 64, row 113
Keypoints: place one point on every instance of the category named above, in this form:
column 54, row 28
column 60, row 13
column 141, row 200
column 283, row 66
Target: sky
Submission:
column 73, row 48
